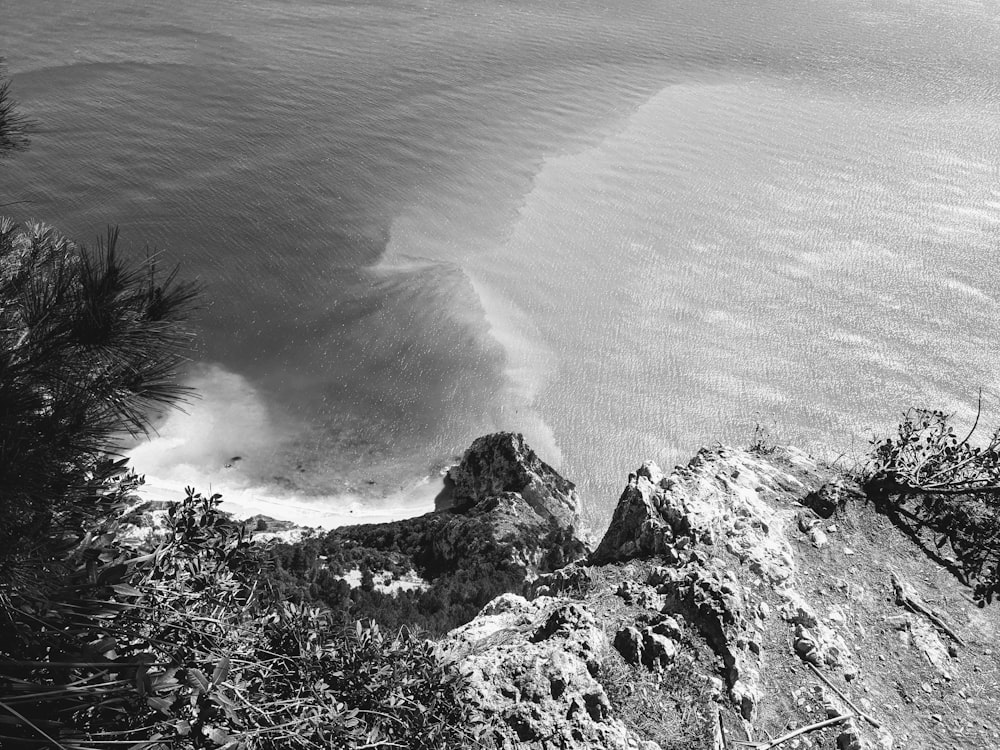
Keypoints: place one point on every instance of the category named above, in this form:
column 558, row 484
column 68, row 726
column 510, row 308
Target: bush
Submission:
column 949, row 485
column 181, row 646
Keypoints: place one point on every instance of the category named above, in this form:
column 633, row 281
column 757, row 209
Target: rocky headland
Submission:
column 748, row 599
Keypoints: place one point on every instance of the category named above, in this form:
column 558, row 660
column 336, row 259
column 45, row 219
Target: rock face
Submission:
column 737, row 598
column 503, row 463
column 503, row 516
column 531, row 665
column 501, row 485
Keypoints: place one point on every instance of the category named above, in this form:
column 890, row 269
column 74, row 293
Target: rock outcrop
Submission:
column 532, row 666
column 503, row 517
column 743, row 597
column 502, row 463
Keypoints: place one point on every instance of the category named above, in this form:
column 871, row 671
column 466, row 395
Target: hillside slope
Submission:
column 502, row 515
column 730, row 603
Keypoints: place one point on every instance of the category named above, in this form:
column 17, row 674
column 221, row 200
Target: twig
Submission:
column 973, row 457
column 910, row 601
column 795, row 733
column 34, row 726
column 945, row 489
column 843, row 697
column 979, row 411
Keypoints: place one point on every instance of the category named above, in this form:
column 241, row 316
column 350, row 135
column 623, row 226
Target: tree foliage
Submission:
column 14, row 127
column 89, row 344
column 949, row 485
column 462, row 574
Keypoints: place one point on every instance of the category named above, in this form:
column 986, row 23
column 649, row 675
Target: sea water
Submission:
column 625, row 229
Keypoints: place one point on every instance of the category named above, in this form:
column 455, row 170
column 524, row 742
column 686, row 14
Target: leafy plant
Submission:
column 948, row 484
column 761, row 440
column 182, row 645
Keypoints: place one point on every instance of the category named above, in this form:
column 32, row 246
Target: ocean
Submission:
column 626, row 230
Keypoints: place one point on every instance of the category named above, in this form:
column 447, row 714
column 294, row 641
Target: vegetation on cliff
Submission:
column 944, row 487
column 461, row 578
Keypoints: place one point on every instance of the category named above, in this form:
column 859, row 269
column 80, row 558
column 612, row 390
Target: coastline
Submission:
column 321, row 512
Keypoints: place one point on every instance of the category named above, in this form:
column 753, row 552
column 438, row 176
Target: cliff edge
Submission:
column 744, row 600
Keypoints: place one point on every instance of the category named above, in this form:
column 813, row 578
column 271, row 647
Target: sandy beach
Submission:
column 324, row 512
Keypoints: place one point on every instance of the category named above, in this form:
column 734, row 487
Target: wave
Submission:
column 225, row 422
column 227, row 441
column 526, row 364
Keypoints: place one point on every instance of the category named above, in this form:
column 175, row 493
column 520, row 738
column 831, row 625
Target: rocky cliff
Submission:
column 744, row 600
column 503, row 516
column 502, row 495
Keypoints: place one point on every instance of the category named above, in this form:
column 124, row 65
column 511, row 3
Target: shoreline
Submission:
column 320, row 512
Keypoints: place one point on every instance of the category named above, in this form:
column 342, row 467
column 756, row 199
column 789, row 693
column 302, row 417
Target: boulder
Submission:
column 530, row 669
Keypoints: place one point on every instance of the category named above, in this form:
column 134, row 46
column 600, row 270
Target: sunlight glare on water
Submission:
column 626, row 231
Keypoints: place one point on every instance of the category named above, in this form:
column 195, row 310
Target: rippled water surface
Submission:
column 626, row 230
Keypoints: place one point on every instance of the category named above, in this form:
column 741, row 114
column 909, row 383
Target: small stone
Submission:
column 818, row 537
column 952, row 650
column 831, row 529
column 848, row 551
column 926, row 687
column 899, row 622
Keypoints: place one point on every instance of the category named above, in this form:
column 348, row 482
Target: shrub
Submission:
column 949, row 485
column 182, row 646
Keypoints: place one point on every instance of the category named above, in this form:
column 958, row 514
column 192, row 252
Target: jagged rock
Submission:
column 574, row 579
column 702, row 578
column 652, row 646
column 637, row 528
column 832, row 495
column 530, row 668
column 512, row 509
column 503, row 462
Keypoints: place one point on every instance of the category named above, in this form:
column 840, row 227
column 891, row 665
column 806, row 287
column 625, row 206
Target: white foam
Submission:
column 528, row 361
column 968, row 290
column 198, row 448
column 325, row 512
column 228, row 418
column 528, row 365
